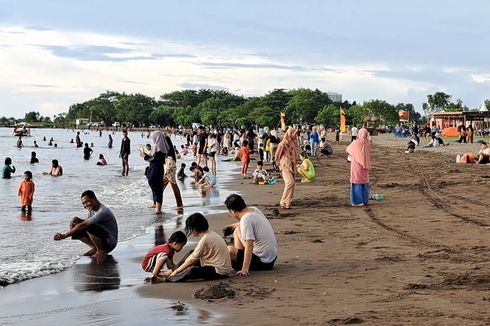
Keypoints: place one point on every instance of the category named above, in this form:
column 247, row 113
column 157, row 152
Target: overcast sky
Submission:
column 55, row 53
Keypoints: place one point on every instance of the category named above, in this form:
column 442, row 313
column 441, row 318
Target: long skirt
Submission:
column 359, row 193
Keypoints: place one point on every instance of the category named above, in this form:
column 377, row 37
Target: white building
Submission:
column 335, row 97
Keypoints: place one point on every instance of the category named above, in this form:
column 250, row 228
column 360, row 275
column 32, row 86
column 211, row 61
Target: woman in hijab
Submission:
column 155, row 171
column 360, row 152
column 285, row 158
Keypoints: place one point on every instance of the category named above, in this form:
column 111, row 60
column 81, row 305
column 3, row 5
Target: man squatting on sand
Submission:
column 99, row 231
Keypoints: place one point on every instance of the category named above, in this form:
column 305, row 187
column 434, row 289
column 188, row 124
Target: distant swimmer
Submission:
column 20, row 144
column 102, row 160
column 8, row 169
column 34, row 158
column 87, row 151
column 99, row 231
column 56, row 169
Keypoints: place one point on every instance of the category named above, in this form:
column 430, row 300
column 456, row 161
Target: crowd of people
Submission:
column 289, row 152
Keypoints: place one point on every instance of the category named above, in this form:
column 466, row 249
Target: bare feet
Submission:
column 90, row 252
column 154, row 279
column 152, row 206
column 165, row 274
column 99, row 256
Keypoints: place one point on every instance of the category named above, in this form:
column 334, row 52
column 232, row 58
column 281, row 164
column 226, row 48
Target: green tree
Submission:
column 210, row 111
column 356, row 114
column 31, row 117
column 438, row 101
column 329, row 116
column 456, row 107
column 163, row 116
column 305, row 104
column 277, row 100
column 382, row 109
column 135, row 108
column 264, row 116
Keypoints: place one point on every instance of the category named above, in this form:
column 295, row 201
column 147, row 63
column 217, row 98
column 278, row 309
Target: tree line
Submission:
column 221, row 108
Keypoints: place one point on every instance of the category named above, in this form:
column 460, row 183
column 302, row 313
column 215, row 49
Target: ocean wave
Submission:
column 17, row 272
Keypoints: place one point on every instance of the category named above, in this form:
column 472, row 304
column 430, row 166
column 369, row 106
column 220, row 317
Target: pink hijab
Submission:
column 285, row 155
column 360, row 149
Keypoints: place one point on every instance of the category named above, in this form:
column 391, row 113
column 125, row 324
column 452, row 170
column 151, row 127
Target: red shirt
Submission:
column 245, row 154
column 164, row 248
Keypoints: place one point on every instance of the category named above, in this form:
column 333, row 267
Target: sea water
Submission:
column 27, row 248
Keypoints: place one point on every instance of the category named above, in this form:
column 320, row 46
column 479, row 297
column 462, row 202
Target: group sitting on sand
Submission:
column 254, row 248
column 482, row 157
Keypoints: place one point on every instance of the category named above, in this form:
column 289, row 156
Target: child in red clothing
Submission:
column 159, row 255
column 245, row 154
column 26, row 192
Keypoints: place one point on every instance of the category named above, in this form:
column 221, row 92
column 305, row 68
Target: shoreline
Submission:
column 417, row 257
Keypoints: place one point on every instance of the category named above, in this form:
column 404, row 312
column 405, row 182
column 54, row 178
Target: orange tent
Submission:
column 450, row 132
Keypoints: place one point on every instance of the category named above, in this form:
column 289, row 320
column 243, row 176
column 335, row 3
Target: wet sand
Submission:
column 420, row 256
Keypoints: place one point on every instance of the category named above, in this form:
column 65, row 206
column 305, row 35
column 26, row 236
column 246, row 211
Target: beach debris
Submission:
column 290, row 232
column 317, row 241
column 179, row 308
column 345, row 321
column 215, row 291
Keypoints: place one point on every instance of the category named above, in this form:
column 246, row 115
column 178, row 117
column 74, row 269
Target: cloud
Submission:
column 236, row 65
column 189, row 85
column 107, row 53
column 37, row 28
column 37, row 85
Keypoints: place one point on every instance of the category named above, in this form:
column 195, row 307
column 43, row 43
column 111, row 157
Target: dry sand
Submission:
column 418, row 257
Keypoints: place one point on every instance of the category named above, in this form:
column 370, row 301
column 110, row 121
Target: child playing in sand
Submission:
column 260, row 175
column 208, row 180
column 245, row 157
column 154, row 259
column 181, row 174
column 26, row 192
column 197, row 170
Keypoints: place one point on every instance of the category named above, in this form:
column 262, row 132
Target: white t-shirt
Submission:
column 212, row 145
column 255, row 226
column 354, row 131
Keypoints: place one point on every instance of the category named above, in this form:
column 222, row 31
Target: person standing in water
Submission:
column 26, row 192
column 109, row 144
column 87, row 151
column 8, row 169
column 34, row 158
column 77, row 140
column 124, row 153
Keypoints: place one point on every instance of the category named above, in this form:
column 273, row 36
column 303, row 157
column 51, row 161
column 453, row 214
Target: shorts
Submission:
column 485, row 159
column 201, row 150
column 153, row 261
column 170, row 169
column 108, row 244
column 255, row 265
column 212, row 154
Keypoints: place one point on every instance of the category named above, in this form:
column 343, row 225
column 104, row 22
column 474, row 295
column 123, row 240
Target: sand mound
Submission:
column 215, row 291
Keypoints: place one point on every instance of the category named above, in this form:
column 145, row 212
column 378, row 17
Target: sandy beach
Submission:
column 418, row 257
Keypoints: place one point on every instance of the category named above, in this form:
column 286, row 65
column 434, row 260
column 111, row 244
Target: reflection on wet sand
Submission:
column 96, row 275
